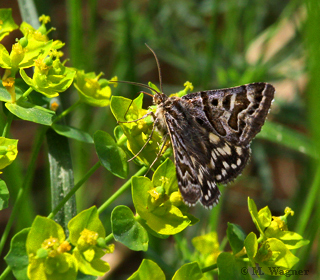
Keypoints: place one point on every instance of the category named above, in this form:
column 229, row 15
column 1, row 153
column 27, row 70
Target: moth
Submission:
column 210, row 132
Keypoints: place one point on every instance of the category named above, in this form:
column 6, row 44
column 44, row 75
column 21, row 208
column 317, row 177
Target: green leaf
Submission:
column 137, row 132
column 291, row 240
column 118, row 133
column 265, row 217
column 255, row 216
column 73, row 133
column 81, row 276
column 8, row 151
column 208, row 247
column 231, row 267
column 154, row 87
column 164, row 218
column 4, row 195
column 7, row 23
column 48, row 269
column 281, row 256
column 17, row 257
column 251, row 245
column 95, row 267
column 148, row 270
column 87, row 219
column 30, row 112
column 206, row 244
column 87, row 225
column 61, row 176
column 150, row 230
column 165, row 176
column 189, row 271
column 91, row 90
column 4, row 94
column 111, row 156
column 43, row 228
column 127, row 230
column 5, row 61
column 236, row 237
column 289, row 138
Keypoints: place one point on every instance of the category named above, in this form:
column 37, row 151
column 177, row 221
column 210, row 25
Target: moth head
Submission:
column 159, row 98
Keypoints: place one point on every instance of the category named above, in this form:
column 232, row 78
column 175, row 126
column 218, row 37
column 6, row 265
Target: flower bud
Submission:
column 23, row 42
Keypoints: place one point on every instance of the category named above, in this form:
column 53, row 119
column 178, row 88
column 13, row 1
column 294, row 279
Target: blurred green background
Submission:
column 213, row 44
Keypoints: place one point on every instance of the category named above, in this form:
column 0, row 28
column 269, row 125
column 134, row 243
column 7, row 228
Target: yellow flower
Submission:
column 44, row 19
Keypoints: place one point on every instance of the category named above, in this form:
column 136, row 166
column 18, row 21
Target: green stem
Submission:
column 122, row 140
column 309, row 203
column 121, row 190
column 26, row 93
column 7, row 125
column 109, row 238
column 5, row 273
column 67, row 111
column 209, row 268
column 223, row 243
column 74, row 189
column 25, row 185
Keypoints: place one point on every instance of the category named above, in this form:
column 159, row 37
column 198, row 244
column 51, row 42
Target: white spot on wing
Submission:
column 221, row 151
column 225, row 164
column 212, row 165
column 218, row 177
column 239, row 151
column 238, row 161
column 213, row 154
column 232, row 101
column 223, row 172
column 227, row 149
column 214, row 138
column 233, row 166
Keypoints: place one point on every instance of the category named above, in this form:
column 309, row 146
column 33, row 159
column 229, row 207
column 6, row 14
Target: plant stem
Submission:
column 109, row 238
column 74, row 189
column 208, row 268
column 5, row 273
column 25, row 185
column 26, row 93
column 121, row 190
column 7, row 125
column 67, row 111
column 309, row 203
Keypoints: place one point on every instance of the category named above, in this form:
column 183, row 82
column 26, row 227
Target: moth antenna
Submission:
column 158, row 65
column 137, row 84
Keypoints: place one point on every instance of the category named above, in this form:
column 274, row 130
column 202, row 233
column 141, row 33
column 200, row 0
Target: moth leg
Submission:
column 159, row 154
column 145, row 144
column 132, row 102
column 143, row 117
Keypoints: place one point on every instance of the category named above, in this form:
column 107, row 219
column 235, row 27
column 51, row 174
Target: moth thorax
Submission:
column 161, row 122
